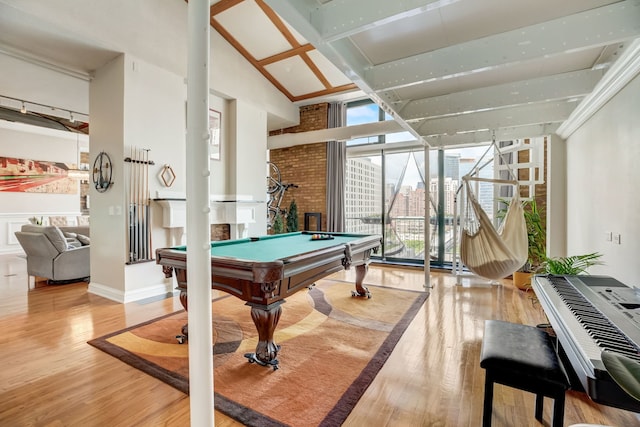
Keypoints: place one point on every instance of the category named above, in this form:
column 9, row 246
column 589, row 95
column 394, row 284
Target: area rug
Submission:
column 332, row 347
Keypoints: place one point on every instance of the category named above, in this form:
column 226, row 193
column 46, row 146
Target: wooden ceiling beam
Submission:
column 222, row 5
column 331, row 91
column 244, row 52
column 297, row 51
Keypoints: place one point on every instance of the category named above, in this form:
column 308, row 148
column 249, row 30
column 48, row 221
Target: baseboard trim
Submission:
column 129, row 296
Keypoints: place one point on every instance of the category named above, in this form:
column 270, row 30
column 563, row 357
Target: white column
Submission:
column 556, row 196
column 198, row 207
column 427, row 219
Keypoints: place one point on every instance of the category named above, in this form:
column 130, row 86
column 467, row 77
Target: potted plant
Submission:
column 278, row 225
column 292, row 217
column 571, row 265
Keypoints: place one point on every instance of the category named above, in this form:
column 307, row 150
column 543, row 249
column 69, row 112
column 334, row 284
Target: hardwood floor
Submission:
column 50, row 376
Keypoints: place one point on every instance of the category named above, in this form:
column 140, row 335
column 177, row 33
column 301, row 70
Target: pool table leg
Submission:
column 266, row 319
column 185, row 328
column 361, row 291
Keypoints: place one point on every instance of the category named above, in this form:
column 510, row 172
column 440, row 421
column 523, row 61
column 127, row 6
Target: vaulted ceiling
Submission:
column 279, row 52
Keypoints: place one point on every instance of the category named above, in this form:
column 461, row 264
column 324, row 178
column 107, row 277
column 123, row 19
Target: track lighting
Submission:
column 37, row 108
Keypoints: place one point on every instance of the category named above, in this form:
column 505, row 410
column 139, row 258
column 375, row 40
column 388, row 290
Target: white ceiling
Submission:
column 450, row 71
column 460, row 71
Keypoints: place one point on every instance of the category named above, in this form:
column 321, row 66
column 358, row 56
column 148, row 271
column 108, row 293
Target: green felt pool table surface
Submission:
column 275, row 247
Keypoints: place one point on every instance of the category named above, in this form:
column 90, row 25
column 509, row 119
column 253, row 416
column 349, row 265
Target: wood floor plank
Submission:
column 50, row 376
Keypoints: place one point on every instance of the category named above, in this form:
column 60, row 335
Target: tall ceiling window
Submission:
column 366, row 111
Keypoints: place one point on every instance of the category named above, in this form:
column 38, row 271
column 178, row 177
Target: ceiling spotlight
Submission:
column 23, row 110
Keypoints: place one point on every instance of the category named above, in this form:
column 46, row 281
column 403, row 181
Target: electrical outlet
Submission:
column 616, row 238
column 607, row 236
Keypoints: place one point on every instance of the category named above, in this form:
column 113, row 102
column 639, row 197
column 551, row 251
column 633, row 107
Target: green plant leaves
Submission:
column 292, row 217
column 278, row 225
column 571, row 265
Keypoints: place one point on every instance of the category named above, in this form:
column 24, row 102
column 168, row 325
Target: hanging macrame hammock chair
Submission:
column 490, row 253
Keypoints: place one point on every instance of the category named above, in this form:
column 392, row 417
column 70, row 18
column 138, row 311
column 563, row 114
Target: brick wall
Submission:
column 305, row 165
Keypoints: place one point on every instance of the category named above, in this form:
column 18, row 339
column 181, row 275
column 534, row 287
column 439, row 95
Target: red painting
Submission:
column 35, row 176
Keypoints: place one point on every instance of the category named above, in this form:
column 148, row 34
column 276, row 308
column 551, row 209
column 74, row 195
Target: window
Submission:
column 385, row 194
column 366, row 111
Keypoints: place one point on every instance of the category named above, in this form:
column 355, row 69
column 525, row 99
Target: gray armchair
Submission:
column 51, row 255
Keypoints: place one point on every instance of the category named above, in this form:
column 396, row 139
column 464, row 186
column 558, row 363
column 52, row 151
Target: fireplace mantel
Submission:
column 236, row 210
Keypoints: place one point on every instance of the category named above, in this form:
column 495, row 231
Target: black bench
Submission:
column 525, row 358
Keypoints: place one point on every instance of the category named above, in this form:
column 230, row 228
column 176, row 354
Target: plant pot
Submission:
column 522, row 280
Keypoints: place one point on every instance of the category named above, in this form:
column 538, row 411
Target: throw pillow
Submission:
column 73, row 243
column 85, row 240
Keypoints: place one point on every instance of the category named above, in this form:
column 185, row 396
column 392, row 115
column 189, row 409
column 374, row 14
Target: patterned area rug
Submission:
column 332, row 347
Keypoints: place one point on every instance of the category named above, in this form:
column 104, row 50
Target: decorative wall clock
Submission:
column 102, row 172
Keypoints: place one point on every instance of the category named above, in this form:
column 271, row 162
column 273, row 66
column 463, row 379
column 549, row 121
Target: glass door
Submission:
column 404, row 206
column 363, row 194
column 385, row 194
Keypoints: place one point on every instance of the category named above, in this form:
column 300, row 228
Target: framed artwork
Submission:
column 36, row 176
column 215, row 121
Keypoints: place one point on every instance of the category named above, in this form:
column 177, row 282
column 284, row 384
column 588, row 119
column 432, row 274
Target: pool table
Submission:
column 263, row 271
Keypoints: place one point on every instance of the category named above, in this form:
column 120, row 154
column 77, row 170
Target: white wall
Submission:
column 23, row 80
column 247, row 173
column 108, row 208
column 26, row 142
column 155, row 119
column 602, row 178
column 134, row 105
